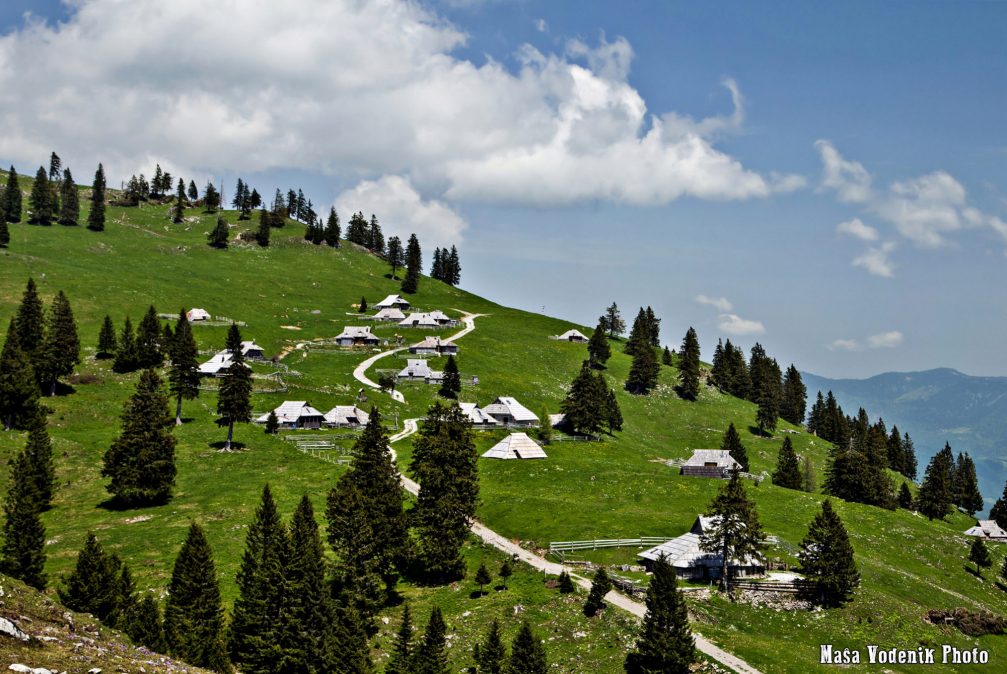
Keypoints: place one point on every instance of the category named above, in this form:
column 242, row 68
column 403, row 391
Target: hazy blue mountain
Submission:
column 935, row 406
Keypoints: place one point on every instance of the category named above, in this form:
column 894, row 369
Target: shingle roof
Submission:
column 392, row 300
column 390, row 314
column 292, row 410
column 572, row 334
column 220, row 361
column 516, row 446
column 356, row 332
column 987, row 529
column 476, row 415
column 417, row 368
column 196, row 314
column 431, row 343
column 346, row 414
column 509, row 405
column 722, row 457
column 419, row 321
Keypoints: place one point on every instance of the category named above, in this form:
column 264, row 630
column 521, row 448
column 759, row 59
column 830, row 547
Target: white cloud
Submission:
column 541, row 26
column 858, row 229
column 876, row 260
column 849, row 179
column 844, row 345
column 401, row 211
column 736, row 325
column 885, row 340
column 360, row 88
column 721, row 303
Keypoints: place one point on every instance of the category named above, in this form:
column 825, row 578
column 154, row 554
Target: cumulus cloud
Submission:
column 858, row 229
column 877, row 260
column 357, row 88
column 844, row 345
column 885, row 340
column 736, row 325
column 721, row 303
column 402, row 210
column 849, row 179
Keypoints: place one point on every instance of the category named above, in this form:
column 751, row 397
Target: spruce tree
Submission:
column 96, row 216
column 998, row 512
column 414, row 266
column 362, row 307
column 106, row 339
column 732, row 443
column 19, row 390
column 491, row 654
column 232, row 343
column 396, row 256
column 69, row 212
column 92, row 586
column 666, row 645
column 29, row 321
column 600, row 586
column 527, row 654
column 60, row 348
column 141, row 461
column 126, row 357
column 444, row 462
column 262, row 233
column 643, row 373
column 666, row 357
column 42, row 200
column 639, row 334
column 566, row 585
column 454, row 268
column 979, row 555
column 402, row 651
column 183, row 373
column 808, row 483
column 788, row 471
column 272, row 423
column 826, row 555
column 908, row 457
column 794, row 403
column 598, row 348
column 144, row 625
column 505, row 572
column 211, row 198
column 966, row 486
column 482, row 578
column 377, row 239
column 193, row 192
column 234, row 399
column 12, row 197
column 148, row 340
column 55, row 163
column 613, row 321
column 218, row 237
column 4, row 231
column 934, row 497
column 905, row 497
column 736, row 532
column 451, row 384
column 178, row 210
column 688, row 367
column 42, row 470
column 193, row 615
column 431, row 657
column 22, row 554
column 437, row 266
column 332, row 231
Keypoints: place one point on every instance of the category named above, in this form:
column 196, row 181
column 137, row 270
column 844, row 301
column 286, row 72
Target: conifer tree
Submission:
column 444, row 462
column 193, row 615
column 126, row 355
column 491, row 654
column 736, row 532
column 795, row 394
column 767, row 412
column 639, row 334
column 19, row 390
column 193, row 192
column 966, row 486
column 934, row 497
column 998, row 512
column 600, row 586
column 482, row 578
column 808, row 475
column 437, row 267
column 431, row 657
column 396, row 256
column 55, row 163
column 60, row 348
column 41, row 469
column 92, row 586
column 234, row 399
column 272, row 423
column 22, row 554
column 232, row 342
column 148, row 340
column 688, row 367
column 613, row 321
column 908, row 457
column 732, row 443
column 666, row 357
column 598, row 348
column 12, row 197
column 141, row 461
column 211, row 198
column 218, row 237
column 505, row 572
column 451, row 384
column 96, row 216
column 183, row 374
column 262, row 233
column 30, row 323
column 332, row 230
column 788, row 471
column 362, row 307
column 377, row 239
column 414, row 266
column 144, row 626
column 527, row 653
column 4, row 230
column 905, row 497
column 402, row 651
column 42, row 200
column 826, row 556
column 666, row 645
column 454, row 268
column 69, row 212
column 643, row 373
column 566, row 585
column 253, row 635
column 178, row 210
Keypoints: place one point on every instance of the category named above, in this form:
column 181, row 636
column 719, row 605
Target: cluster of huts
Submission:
column 216, row 366
column 300, row 415
column 392, row 309
column 989, row 530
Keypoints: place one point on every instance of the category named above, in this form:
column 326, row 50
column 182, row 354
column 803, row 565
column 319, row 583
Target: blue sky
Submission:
column 525, row 131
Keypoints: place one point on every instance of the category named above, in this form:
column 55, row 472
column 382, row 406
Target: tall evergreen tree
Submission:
column 598, row 348
column 211, row 198
column 96, row 216
column 601, row 585
column 639, row 334
column 613, row 321
column 234, row 399
column 144, row 625
column 141, row 461
column 4, row 229
column 666, row 645
column 444, row 462
column 19, row 390
column 332, row 230
column 55, row 163
column 491, row 654
column 183, row 374
column 92, row 587
column 29, row 321
column 431, row 657
column 451, row 384
column 193, row 192
column 795, row 396
column 454, row 268
column 217, row 238
column 666, row 357
column 966, row 485
column 437, row 266
column 935, row 495
column 42, row 200
column 653, row 327
column 193, row 615
column 41, row 469
column 125, row 354
column 527, row 654
column 22, row 554
column 905, row 497
column 377, row 239
column 414, row 266
column 827, row 563
column 396, row 256
column 998, row 512
column 12, row 197
column 402, row 651
column 767, row 412
column 688, row 367
column 736, row 532
column 232, row 343
column 265, row 225
column 69, row 212
column 908, row 457
column 979, row 555
column 788, row 471
column 60, row 349
column 643, row 372
column 178, row 210
column 148, row 340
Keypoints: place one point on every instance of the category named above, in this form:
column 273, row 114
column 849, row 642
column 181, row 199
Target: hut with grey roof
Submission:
column 418, row 369
column 516, row 446
column 571, row 336
column 716, row 463
column 685, row 554
column 295, row 414
column 988, row 529
column 508, row 411
column 356, row 336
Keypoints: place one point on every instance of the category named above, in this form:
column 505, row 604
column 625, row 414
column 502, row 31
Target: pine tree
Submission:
column 211, row 198
column 998, row 512
column 566, row 585
column 141, row 461
column 60, row 349
column 4, row 230
column 93, row 585
column 491, row 654
column 444, row 462
column 22, row 554
column 482, row 578
column 826, row 556
column 148, row 340
column 54, row 166
column 19, row 390
column 144, row 626
column 431, row 657
column 234, row 399
column 788, row 472
column 69, row 212
column 437, row 266
column 396, row 256
column 643, row 373
column 41, row 469
column 332, row 230
column 736, row 532
column 218, row 237
column 598, row 348
column 96, row 216
column 666, row 645
column 600, row 586
column 125, row 353
column 767, row 412
column 362, row 307
column 966, row 486
column 795, row 395
column 402, row 651
column 451, row 384
column 688, row 367
column 905, row 497
column 42, row 200
column 666, row 357
column 732, row 443
column 30, row 323
column 232, row 343
column 908, row 457
column 934, row 497
column 178, row 211
column 979, row 555
column 193, row 615
column 414, row 266
column 377, row 239
column 454, row 268
column 272, row 423
column 639, row 334
column 193, row 192
column 12, row 197
column 527, row 653
column 505, row 572
column 183, row 373
column 613, row 321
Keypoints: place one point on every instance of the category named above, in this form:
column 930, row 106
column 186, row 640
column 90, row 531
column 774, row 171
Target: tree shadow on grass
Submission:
column 115, row 504
column 977, row 574
column 235, row 445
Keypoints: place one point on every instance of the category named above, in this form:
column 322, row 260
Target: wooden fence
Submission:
column 792, row 587
column 560, row 549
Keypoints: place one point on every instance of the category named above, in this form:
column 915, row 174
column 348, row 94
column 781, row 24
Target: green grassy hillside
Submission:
column 617, row 488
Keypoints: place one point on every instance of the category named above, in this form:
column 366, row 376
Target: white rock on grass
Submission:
column 9, row 629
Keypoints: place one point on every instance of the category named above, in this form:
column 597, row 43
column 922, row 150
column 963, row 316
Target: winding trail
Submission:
column 617, row 599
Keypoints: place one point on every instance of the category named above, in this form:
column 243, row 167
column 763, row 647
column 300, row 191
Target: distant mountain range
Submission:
column 935, row 406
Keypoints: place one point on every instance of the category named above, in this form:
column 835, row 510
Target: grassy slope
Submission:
column 615, row 488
